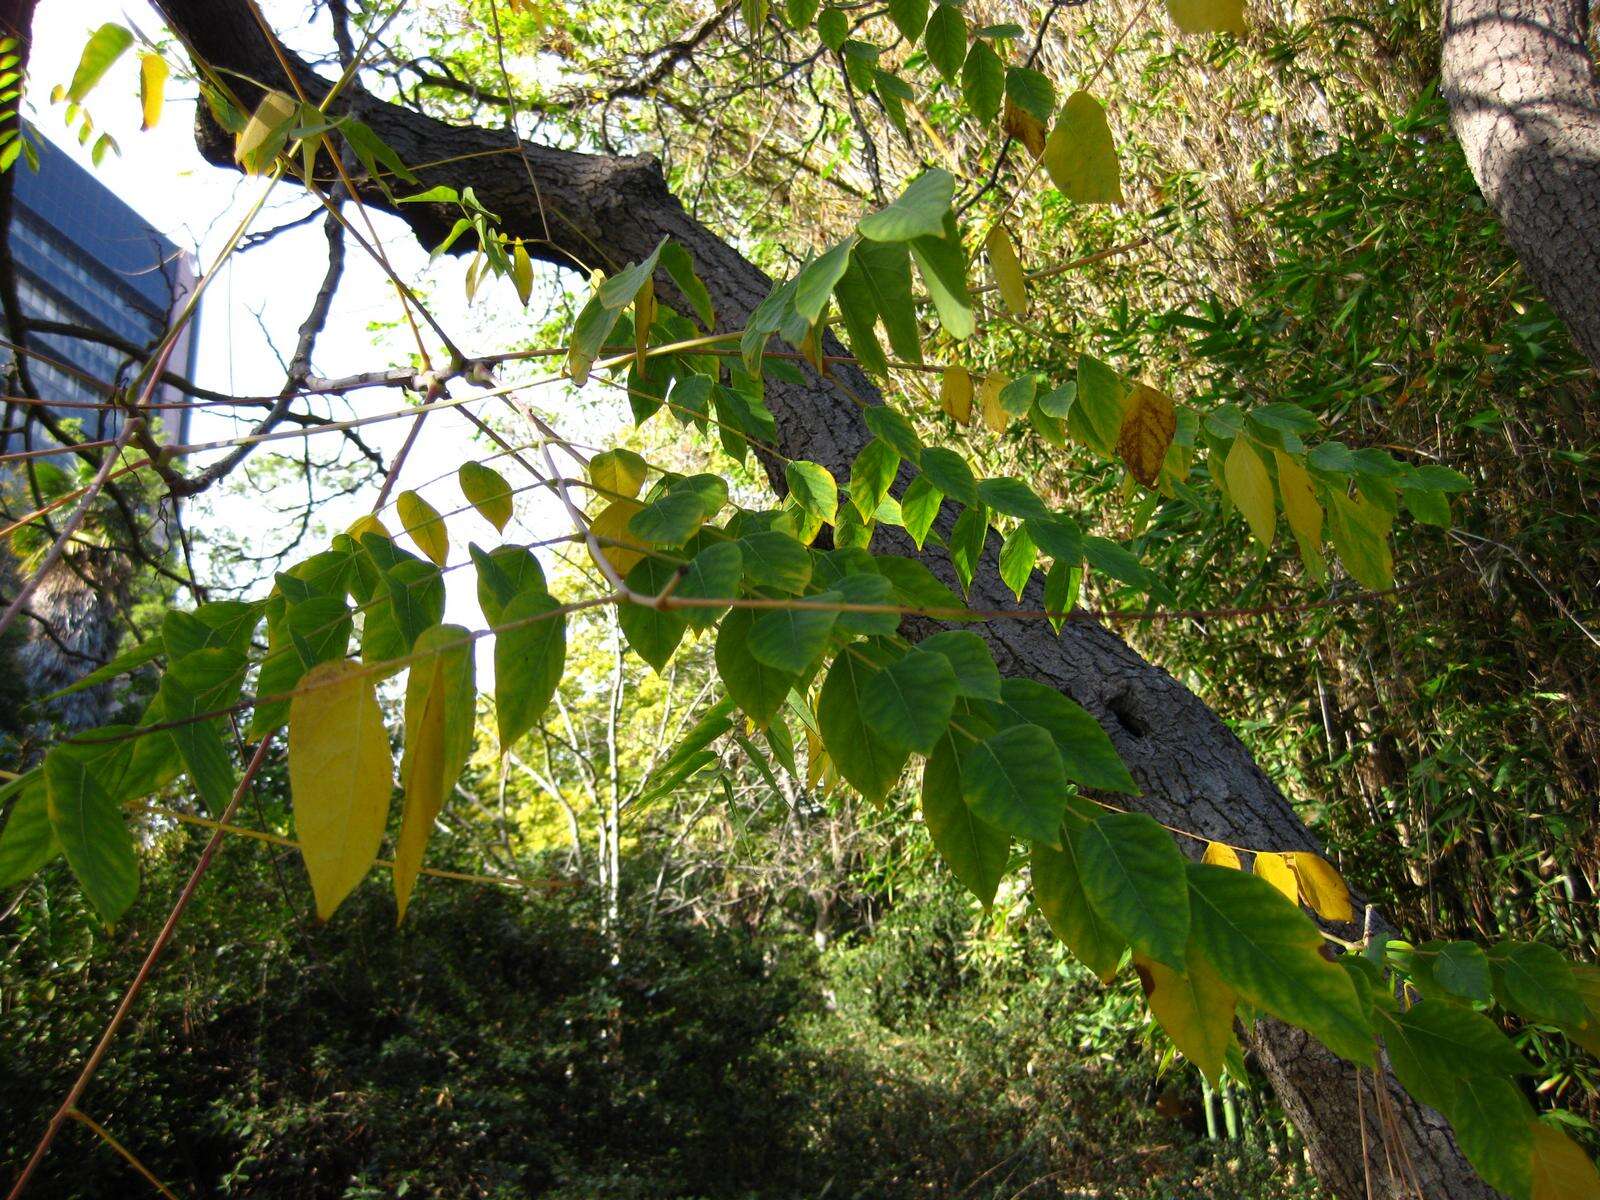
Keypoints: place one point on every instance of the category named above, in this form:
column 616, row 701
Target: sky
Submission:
column 257, row 301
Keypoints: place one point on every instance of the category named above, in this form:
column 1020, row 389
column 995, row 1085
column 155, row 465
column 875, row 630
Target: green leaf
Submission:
column 791, row 639
column 833, row 27
column 530, row 653
column 813, row 488
column 942, row 263
column 975, row 851
column 1081, row 155
column 1017, row 556
column 652, row 633
column 1360, row 533
column 859, row 309
column 488, row 492
column 1032, row 92
column 202, row 682
column 775, row 560
column 910, row 17
column 886, row 274
column 1058, row 891
column 1086, row 752
column 1095, row 417
column 145, row 651
column 1434, row 1045
column 713, row 574
column 1014, row 781
column 919, row 211
column 966, row 542
column 679, row 265
column 670, row 520
column 1134, row 878
column 909, row 703
column 503, row 573
column 816, row 282
column 919, row 507
column 1462, row 968
column 976, row 675
column 1494, row 1126
column 867, row 587
column 871, row 474
column 1269, row 952
column 28, row 842
column 867, row 762
column 1534, row 981
column 87, row 820
column 983, row 81
column 945, row 40
column 948, row 471
column 105, row 46
column 915, row 585
column 756, row 688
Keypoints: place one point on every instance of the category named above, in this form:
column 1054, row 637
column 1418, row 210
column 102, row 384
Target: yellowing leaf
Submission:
column 1207, row 16
column 521, row 271
column 1008, row 276
column 955, row 394
column 367, row 524
column 340, row 776
column 617, row 473
column 1304, row 513
column 1251, row 489
column 439, row 722
column 426, row 527
column 264, row 134
column 1081, row 155
column 611, row 526
column 1195, row 1008
column 1275, row 869
column 1561, row 1170
column 1148, row 423
column 487, row 491
column 153, row 72
column 1220, row 854
column 1321, row 887
column 994, row 413
column 1021, row 124
column 1360, row 533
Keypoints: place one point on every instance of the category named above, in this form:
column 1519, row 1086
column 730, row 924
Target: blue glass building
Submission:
column 85, row 258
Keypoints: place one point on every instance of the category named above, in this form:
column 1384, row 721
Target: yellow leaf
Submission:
column 1251, row 489
column 1207, row 16
column 426, row 527
column 1303, row 512
column 521, row 271
column 340, row 776
column 611, row 526
column 439, row 723
column 1561, row 1170
column 1025, row 127
column 1220, row 854
column 263, row 135
column 955, row 395
column 1148, row 423
column 994, row 413
column 487, row 491
column 367, row 524
column 1321, row 888
column 617, row 473
column 153, row 72
column 1081, row 155
column 1195, row 1008
column 644, row 316
column 1007, row 270
column 1275, row 869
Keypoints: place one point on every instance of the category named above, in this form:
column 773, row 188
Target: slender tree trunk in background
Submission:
column 1520, row 83
column 1192, row 770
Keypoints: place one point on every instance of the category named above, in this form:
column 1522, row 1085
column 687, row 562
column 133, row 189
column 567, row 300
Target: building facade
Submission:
column 85, row 258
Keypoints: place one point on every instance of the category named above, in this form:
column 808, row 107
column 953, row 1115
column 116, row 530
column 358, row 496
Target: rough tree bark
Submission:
column 1520, row 84
column 606, row 211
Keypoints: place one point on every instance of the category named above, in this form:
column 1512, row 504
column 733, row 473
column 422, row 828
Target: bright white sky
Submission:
column 258, row 300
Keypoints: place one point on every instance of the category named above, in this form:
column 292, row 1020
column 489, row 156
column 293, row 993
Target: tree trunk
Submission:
column 1193, row 772
column 1520, row 83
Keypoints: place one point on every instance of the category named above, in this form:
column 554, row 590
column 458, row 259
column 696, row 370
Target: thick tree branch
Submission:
column 1520, row 83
